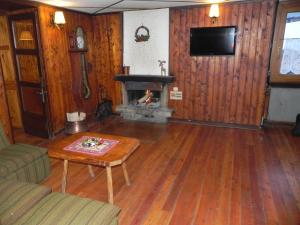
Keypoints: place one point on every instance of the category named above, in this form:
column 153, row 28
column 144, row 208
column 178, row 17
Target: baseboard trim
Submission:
column 271, row 123
column 215, row 124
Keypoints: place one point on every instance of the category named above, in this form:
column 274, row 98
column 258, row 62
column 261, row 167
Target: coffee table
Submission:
column 116, row 156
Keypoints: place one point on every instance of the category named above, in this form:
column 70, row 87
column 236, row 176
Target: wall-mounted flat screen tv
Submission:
column 212, row 41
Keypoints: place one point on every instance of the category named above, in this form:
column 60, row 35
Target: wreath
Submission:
column 142, row 37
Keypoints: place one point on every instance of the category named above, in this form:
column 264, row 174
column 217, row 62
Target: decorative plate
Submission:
column 91, row 142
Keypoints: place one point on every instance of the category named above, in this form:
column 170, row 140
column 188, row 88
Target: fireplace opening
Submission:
column 144, row 98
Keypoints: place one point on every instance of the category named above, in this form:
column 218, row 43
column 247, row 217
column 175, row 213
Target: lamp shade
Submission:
column 59, row 18
column 214, row 10
column 26, row 36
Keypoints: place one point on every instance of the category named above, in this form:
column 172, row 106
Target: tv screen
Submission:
column 212, row 41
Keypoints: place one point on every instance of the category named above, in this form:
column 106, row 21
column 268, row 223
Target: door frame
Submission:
column 31, row 14
column 7, row 126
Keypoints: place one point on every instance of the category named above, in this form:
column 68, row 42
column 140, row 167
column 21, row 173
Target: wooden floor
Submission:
column 187, row 174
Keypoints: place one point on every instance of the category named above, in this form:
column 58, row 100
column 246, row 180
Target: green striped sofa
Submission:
column 32, row 204
column 22, row 162
column 22, row 201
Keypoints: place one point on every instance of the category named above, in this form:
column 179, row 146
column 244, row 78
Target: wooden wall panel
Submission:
column 227, row 89
column 55, row 44
column 108, row 53
column 9, row 74
column 4, row 114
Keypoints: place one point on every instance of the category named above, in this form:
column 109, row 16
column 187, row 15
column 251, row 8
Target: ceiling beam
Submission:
column 96, row 12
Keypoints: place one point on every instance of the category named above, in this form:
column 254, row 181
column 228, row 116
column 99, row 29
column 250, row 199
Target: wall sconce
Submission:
column 214, row 12
column 58, row 19
column 26, row 36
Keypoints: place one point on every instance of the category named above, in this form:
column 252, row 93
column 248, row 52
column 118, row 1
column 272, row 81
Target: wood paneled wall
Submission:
column 58, row 68
column 108, row 53
column 4, row 114
column 227, row 89
column 9, row 74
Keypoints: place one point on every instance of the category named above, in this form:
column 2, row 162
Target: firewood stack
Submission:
column 147, row 98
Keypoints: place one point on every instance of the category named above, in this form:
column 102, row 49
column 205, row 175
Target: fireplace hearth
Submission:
column 145, row 98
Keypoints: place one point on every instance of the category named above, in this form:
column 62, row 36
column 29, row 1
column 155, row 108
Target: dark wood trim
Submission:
column 285, row 85
column 26, row 51
column 43, row 76
column 268, row 86
column 21, row 11
column 145, row 78
column 78, row 50
column 214, row 124
column 271, row 123
column 107, row 14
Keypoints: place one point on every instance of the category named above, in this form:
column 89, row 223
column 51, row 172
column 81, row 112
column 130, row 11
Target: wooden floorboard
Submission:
column 187, row 174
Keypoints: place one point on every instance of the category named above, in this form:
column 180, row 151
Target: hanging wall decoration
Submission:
column 142, row 34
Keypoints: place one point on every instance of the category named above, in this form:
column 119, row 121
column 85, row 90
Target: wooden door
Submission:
column 30, row 74
column 9, row 74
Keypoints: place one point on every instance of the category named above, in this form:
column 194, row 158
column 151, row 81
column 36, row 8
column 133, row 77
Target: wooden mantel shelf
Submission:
column 145, row 78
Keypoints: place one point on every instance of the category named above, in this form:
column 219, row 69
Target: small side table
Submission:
column 116, row 156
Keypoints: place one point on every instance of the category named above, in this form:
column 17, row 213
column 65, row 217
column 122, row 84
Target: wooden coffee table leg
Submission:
column 64, row 178
column 109, row 185
column 125, row 173
column 91, row 171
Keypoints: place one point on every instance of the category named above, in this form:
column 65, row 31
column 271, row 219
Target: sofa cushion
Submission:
column 33, row 172
column 17, row 198
column 17, row 156
column 60, row 209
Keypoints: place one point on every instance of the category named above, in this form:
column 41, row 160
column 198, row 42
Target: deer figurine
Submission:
column 163, row 71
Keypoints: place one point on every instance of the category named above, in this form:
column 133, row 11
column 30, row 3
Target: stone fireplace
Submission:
column 145, row 97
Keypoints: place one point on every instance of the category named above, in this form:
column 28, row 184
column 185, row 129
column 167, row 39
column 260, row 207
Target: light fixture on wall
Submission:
column 58, row 19
column 214, row 12
column 26, row 36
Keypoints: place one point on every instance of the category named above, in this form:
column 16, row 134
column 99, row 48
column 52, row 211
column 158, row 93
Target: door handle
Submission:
column 42, row 94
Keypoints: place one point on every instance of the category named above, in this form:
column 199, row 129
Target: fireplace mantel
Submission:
column 145, row 78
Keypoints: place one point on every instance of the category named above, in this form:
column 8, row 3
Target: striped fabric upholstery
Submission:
column 24, row 163
column 17, row 198
column 3, row 139
column 34, row 172
column 63, row 209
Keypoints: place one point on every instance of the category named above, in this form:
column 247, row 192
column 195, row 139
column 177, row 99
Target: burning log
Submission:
column 147, row 98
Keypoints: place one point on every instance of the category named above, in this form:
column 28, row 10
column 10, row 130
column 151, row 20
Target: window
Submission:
column 285, row 59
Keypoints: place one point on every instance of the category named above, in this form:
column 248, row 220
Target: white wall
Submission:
column 142, row 57
column 284, row 104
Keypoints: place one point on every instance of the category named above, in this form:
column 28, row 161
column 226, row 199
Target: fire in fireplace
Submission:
column 142, row 98
column 145, row 98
